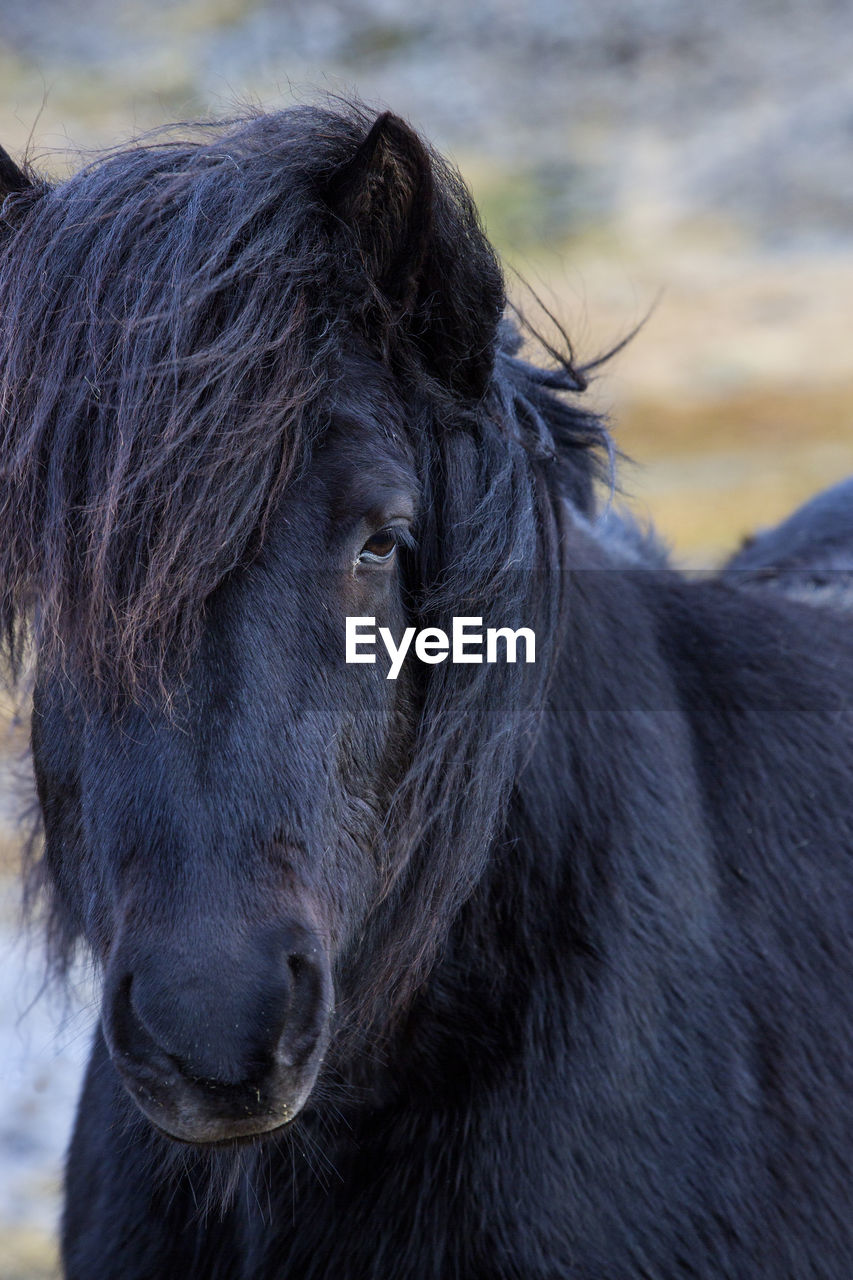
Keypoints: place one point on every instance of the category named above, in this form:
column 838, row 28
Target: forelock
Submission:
column 170, row 328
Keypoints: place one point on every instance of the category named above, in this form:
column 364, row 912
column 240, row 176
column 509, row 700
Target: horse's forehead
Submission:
column 362, row 462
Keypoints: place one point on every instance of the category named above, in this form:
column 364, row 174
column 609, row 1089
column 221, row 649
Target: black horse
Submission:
column 489, row 972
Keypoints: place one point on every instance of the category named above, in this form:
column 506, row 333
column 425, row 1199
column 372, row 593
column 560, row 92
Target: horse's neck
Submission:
column 608, row 810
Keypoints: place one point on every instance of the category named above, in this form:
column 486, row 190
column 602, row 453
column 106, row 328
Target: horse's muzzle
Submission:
column 215, row 1043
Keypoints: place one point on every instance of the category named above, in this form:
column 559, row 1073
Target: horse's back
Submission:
column 809, row 555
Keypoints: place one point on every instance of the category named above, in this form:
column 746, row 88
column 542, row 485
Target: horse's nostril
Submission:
column 308, row 1005
column 130, row 1035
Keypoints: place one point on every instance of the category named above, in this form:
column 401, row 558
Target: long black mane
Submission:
column 174, row 321
column 176, row 327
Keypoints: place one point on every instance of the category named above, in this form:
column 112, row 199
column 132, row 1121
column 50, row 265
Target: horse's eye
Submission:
column 379, row 548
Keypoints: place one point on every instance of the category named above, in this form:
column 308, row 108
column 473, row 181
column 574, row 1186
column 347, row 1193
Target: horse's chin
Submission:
column 189, row 1125
column 182, row 1115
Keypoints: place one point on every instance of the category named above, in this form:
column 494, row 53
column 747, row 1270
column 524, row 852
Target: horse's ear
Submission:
column 384, row 193
column 12, row 179
column 424, row 251
column 13, row 182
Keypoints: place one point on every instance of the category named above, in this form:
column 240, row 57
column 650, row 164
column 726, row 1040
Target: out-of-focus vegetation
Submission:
column 685, row 160
column 735, row 399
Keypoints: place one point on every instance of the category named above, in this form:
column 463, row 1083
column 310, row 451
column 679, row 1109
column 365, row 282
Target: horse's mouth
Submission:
column 202, row 1113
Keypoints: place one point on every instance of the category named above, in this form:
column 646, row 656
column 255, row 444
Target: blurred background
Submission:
column 675, row 160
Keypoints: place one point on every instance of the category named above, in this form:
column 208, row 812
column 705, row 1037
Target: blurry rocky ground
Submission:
column 689, row 160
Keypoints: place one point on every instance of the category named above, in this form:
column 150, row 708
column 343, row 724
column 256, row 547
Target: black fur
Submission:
column 588, row 922
column 809, row 555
